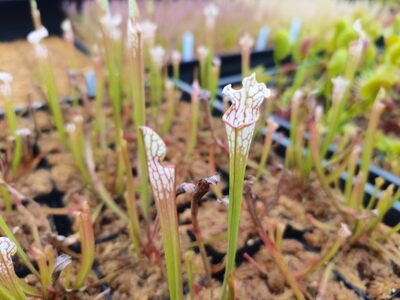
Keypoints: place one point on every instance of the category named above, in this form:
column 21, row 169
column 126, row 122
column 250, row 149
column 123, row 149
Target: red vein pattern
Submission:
column 244, row 112
column 7, row 250
column 162, row 176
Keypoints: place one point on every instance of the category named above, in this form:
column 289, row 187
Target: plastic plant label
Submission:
column 262, row 39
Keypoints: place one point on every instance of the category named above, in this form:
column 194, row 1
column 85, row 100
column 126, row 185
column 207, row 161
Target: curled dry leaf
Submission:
column 62, row 261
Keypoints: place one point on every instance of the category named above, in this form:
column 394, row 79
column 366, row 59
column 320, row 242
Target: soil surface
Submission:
column 282, row 199
column 18, row 58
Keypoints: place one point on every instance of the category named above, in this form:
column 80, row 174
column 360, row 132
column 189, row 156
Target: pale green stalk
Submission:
column 298, row 82
column 350, row 174
column 384, row 204
column 294, row 119
column 77, row 147
column 50, row 88
column 156, row 80
column 298, row 146
column 246, row 43
column 371, row 134
column 99, row 114
column 194, row 118
column 203, row 54
column 113, row 63
column 189, row 270
column 13, row 127
column 240, row 122
column 393, row 230
column 379, row 181
column 45, row 272
column 280, row 229
column 98, row 186
column 314, row 147
column 113, row 66
column 139, row 107
column 214, row 79
column 7, row 199
column 130, row 199
column 35, row 14
column 86, row 234
column 322, row 289
column 171, row 102
column 339, row 101
column 6, row 294
column 162, row 180
column 271, row 128
column 342, row 236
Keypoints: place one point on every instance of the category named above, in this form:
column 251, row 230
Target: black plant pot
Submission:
column 51, row 12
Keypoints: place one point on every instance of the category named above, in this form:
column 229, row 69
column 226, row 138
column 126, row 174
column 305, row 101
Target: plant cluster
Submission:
column 134, row 99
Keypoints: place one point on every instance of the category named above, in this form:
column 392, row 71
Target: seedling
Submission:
column 85, row 225
column 111, row 35
column 356, row 52
column 240, row 120
column 271, row 128
column 37, row 22
column 343, row 234
column 170, row 94
column 196, row 90
column 162, row 181
column 202, row 54
column 99, row 125
column 246, row 44
column 130, row 198
column 176, row 59
column 211, row 13
column 46, row 260
column 68, row 36
column 148, row 29
column 97, row 185
column 5, row 90
column 136, row 77
column 47, row 79
column 156, row 78
column 113, row 58
column 189, row 270
column 214, row 79
column 77, row 145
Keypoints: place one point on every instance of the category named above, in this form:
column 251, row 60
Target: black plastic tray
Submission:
column 281, row 137
column 230, row 64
